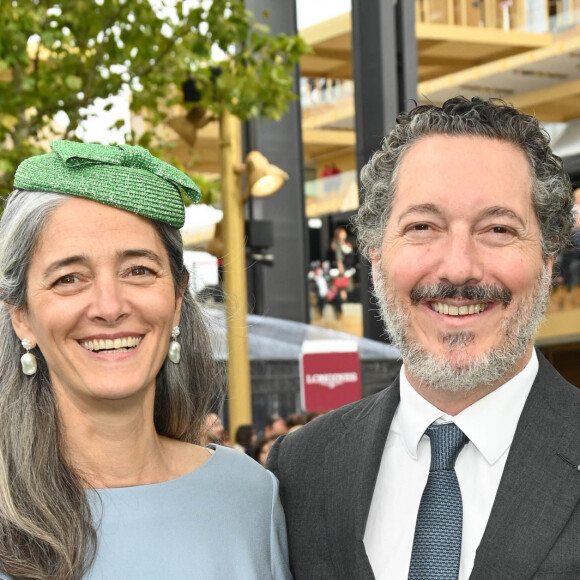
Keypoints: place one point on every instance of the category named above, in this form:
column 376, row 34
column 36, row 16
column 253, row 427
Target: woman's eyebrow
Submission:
column 140, row 253
column 63, row 263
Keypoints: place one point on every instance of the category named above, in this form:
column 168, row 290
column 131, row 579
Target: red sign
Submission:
column 329, row 380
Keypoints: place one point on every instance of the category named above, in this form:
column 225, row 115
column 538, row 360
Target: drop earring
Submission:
column 174, row 353
column 28, row 360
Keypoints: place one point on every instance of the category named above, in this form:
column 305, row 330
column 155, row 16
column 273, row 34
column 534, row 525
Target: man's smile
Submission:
column 451, row 310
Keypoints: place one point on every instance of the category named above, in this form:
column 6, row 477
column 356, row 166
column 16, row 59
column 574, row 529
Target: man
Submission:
column 465, row 209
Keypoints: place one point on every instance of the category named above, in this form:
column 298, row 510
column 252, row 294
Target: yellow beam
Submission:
column 239, row 386
column 554, row 93
column 331, row 28
column 336, row 138
column 477, row 73
column 473, row 34
column 560, row 327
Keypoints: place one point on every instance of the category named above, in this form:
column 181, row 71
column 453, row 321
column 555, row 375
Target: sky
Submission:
column 308, row 12
column 311, row 12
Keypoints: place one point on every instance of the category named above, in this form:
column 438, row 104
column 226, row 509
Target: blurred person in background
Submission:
column 107, row 375
column 275, row 425
column 212, row 430
column 295, row 421
column 263, row 447
column 246, row 439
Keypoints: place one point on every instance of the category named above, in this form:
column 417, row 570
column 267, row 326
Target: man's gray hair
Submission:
column 552, row 193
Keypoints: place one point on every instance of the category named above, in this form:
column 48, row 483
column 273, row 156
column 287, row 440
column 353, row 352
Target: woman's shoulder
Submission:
column 240, row 467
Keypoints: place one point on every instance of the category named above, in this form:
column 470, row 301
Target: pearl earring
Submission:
column 28, row 360
column 174, row 353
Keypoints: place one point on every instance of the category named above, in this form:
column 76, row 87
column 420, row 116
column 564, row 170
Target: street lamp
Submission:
column 262, row 179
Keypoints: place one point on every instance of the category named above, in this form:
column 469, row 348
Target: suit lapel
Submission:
column 352, row 462
column 540, row 485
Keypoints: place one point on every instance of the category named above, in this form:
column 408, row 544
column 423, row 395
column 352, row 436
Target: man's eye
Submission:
column 500, row 230
column 419, row 228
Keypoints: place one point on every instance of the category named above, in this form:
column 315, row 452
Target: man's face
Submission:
column 461, row 282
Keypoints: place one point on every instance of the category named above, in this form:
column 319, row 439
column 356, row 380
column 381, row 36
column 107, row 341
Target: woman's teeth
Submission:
column 458, row 310
column 124, row 343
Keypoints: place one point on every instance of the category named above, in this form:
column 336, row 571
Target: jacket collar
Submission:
column 351, row 485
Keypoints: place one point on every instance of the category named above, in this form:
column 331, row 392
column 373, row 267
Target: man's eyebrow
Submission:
column 429, row 208
column 499, row 211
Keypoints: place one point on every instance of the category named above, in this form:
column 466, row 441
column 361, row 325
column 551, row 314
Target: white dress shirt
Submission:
column 489, row 423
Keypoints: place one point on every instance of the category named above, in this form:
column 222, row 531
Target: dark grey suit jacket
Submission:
column 328, row 468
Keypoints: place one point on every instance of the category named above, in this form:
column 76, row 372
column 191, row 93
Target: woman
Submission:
column 263, row 447
column 99, row 474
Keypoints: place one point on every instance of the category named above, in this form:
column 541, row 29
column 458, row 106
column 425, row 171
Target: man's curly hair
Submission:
column 552, row 193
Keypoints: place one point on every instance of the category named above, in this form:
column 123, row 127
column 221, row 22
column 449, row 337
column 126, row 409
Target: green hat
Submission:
column 122, row 176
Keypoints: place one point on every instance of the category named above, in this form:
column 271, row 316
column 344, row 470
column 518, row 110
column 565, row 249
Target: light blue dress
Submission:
column 223, row 521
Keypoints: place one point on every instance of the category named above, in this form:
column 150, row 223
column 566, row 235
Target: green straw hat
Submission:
column 122, row 176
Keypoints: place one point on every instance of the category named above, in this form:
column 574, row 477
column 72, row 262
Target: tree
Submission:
column 62, row 55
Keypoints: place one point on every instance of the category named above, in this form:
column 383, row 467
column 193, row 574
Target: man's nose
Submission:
column 460, row 261
column 109, row 303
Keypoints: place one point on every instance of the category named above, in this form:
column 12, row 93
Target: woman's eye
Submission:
column 66, row 280
column 140, row 271
column 499, row 230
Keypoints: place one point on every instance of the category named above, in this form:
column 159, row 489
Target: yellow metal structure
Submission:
column 239, row 387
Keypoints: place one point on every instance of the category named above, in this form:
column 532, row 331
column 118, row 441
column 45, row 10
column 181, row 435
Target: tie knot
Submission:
column 446, row 442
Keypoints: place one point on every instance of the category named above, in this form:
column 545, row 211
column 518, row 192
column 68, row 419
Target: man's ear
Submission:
column 20, row 323
column 375, row 263
column 550, row 265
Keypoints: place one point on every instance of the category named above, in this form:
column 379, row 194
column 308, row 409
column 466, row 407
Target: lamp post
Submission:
column 239, row 389
column 263, row 179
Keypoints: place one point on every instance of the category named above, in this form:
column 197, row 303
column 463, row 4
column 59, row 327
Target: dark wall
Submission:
column 281, row 290
column 384, row 50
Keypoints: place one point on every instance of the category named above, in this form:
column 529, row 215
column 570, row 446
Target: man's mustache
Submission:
column 443, row 291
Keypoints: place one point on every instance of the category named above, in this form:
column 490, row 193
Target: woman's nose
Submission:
column 109, row 303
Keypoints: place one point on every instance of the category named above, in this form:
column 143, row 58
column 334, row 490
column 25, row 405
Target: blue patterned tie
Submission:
column 437, row 543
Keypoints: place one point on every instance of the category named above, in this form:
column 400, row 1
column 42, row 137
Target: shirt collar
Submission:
column 489, row 423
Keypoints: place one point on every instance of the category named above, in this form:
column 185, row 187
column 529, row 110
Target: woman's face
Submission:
column 264, row 452
column 101, row 304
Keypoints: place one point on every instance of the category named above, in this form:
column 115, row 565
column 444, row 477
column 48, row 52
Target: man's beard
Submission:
column 438, row 372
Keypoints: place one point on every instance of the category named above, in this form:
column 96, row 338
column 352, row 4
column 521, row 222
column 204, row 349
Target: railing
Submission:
column 332, row 194
column 315, row 92
column 525, row 15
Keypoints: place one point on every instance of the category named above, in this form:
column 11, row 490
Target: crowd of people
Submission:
column 247, row 440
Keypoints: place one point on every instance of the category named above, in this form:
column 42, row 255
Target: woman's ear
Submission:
column 20, row 323
column 179, row 299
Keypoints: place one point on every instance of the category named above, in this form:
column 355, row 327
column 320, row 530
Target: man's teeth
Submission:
column 458, row 310
column 125, row 343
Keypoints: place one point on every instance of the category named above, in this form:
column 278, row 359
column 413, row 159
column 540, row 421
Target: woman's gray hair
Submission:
column 46, row 526
column 551, row 189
